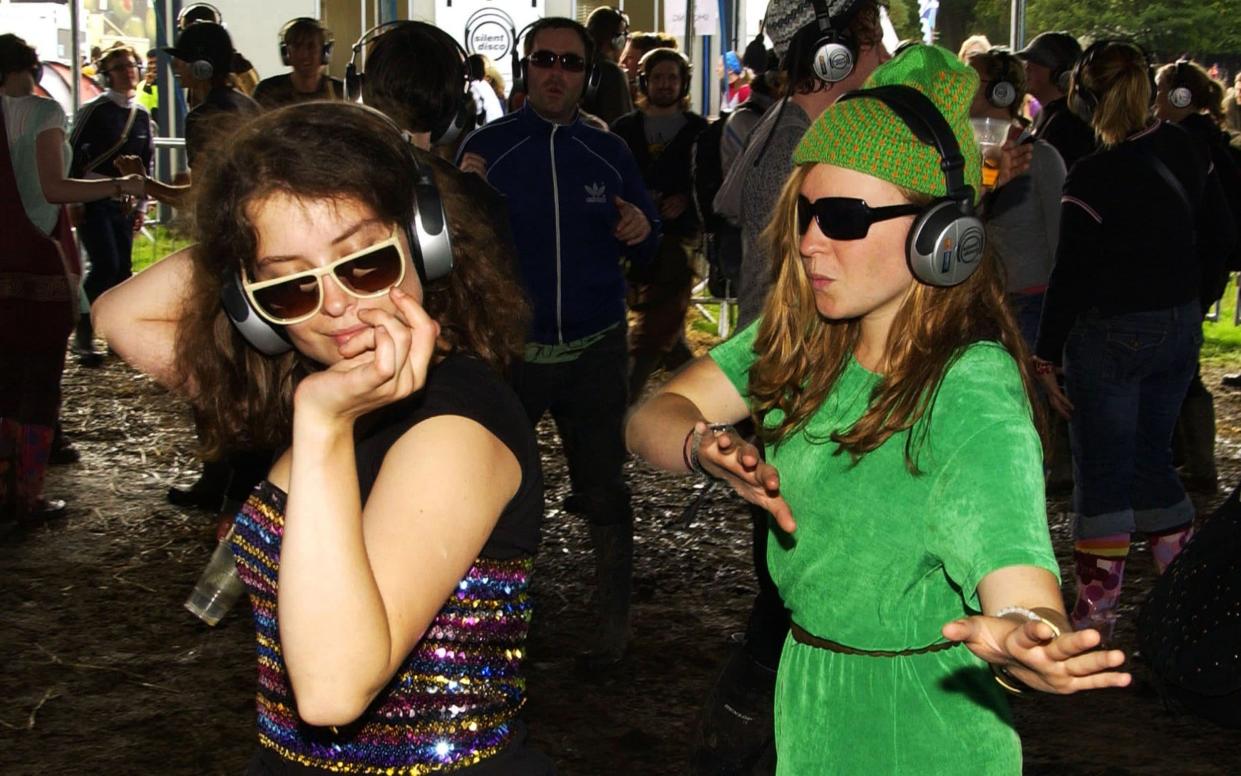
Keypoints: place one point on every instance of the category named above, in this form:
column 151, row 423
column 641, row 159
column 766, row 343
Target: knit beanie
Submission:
column 865, row 135
column 785, row 17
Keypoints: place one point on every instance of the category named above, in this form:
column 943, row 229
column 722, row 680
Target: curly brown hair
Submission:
column 326, row 151
column 801, row 354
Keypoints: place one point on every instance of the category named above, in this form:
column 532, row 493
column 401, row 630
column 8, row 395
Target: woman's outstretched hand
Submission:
column 726, row 455
column 379, row 366
column 1035, row 656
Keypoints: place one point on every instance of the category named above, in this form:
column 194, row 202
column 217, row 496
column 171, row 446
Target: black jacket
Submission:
column 672, row 171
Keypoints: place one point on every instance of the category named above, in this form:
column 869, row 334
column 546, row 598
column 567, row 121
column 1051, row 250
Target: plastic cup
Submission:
column 218, row 587
column 990, row 134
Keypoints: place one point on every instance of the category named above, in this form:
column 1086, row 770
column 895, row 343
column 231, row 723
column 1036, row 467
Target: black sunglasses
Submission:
column 845, row 218
column 570, row 63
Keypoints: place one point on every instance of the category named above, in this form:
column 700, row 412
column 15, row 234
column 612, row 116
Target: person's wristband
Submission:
column 1042, row 366
column 1024, row 615
column 693, row 440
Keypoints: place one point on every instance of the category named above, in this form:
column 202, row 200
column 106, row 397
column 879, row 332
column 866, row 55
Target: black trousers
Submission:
column 108, row 235
column 587, row 398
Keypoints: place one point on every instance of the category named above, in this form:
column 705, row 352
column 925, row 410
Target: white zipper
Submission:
column 556, row 209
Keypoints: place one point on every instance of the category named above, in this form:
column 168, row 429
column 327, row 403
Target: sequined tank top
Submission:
column 453, row 701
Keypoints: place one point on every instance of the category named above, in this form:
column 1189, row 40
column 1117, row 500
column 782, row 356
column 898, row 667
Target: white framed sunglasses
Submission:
column 365, row 274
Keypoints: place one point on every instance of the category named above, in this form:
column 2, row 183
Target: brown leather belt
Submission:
column 802, row 637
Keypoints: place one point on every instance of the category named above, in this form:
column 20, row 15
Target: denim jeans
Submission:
column 1127, row 376
column 1027, row 309
column 108, row 235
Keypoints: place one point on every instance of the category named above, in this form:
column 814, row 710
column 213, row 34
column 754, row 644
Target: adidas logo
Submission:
column 596, row 192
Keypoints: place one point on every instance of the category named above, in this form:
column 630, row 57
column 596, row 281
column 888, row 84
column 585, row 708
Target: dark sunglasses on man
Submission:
column 545, row 60
column 846, row 218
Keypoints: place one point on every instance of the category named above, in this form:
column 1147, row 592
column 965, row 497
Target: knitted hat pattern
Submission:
column 785, row 17
column 865, row 135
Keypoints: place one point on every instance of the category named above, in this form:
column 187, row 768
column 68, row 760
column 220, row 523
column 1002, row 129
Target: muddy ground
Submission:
column 105, row 672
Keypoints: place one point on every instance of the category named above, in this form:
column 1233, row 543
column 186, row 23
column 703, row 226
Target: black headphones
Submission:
column 593, row 74
column 1001, row 92
column 208, row 10
column 429, row 242
column 1180, row 95
column 947, row 240
column 1085, row 100
column 463, row 118
column 651, row 58
column 329, row 40
column 835, row 52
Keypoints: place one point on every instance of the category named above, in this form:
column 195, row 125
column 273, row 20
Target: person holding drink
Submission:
column 1024, row 216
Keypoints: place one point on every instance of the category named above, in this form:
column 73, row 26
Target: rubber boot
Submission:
column 614, row 579
column 1195, row 436
column 736, row 734
column 84, row 343
column 1166, row 545
column 34, row 444
column 1099, row 579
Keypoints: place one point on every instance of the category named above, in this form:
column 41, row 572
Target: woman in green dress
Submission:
column 903, row 469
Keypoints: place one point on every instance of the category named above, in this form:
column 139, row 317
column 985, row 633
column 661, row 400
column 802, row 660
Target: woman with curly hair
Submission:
column 389, row 550
column 904, row 475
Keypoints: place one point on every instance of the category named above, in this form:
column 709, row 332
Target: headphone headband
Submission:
column 946, row 243
column 448, row 130
column 429, row 240
column 1180, row 95
column 329, row 40
column 918, row 113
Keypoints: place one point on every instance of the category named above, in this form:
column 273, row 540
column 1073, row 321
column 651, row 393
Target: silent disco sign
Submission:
column 488, row 27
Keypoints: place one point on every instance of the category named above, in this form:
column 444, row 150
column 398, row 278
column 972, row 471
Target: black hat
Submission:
column 1055, row 50
column 204, row 41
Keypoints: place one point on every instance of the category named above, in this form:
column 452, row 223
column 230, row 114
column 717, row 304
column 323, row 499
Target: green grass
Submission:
column 146, row 252
column 1221, row 341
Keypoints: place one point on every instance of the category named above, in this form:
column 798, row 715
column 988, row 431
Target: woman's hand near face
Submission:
column 382, row 365
column 727, row 456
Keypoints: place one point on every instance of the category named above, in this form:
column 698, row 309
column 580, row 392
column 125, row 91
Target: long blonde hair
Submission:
column 1206, row 94
column 1114, row 76
column 801, row 354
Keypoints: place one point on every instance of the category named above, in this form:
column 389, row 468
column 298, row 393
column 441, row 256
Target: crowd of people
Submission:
column 394, row 277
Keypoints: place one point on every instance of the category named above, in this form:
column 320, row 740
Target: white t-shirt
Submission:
column 25, row 118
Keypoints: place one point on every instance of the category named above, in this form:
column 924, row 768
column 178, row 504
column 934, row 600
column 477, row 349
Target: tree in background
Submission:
column 1165, row 28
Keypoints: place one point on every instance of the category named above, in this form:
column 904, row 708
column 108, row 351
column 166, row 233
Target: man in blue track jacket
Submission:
column 578, row 206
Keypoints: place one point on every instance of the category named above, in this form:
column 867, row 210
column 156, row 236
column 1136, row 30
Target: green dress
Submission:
column 882, row 559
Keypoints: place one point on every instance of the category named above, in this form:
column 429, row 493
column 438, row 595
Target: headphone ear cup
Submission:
column 643, row 85
column 1062, row 80
column 1180, row 97
column 284, row 54
column 593, row 76
column 261, row 335
column 1001, row 94
column 326, row 58
column 519, row 77
column 202, row 70
column 945, row 244
column 833, row 61
column 353, row 82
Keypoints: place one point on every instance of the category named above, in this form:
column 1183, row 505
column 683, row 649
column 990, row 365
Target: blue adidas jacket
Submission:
column 559, row 180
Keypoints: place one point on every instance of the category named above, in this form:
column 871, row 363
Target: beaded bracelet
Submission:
column 1042, row 366
column 693, row 440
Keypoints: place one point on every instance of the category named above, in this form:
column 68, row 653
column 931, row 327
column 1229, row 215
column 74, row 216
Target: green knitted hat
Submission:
column 865, row 135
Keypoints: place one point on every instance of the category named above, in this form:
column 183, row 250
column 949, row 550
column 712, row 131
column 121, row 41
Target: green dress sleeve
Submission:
column 735, row 356
column 988, row 508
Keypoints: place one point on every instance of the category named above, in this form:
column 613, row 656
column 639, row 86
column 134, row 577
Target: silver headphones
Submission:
column 429, row 241
column 947, row 240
